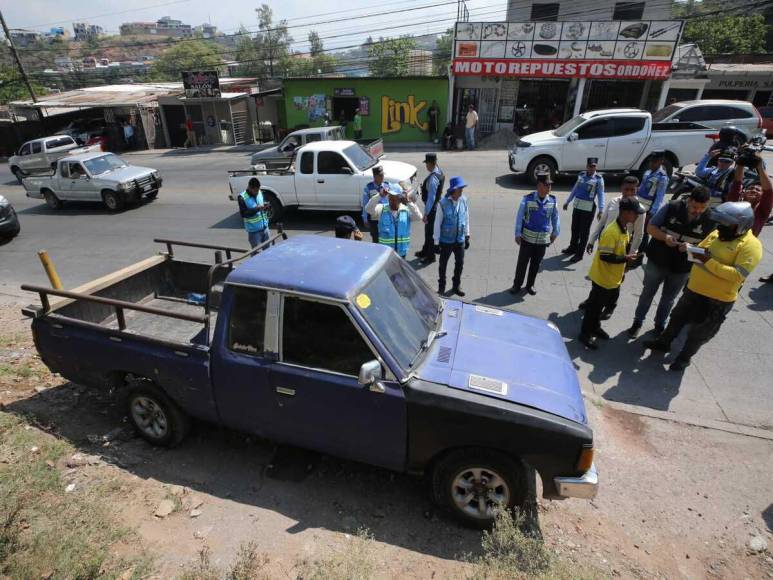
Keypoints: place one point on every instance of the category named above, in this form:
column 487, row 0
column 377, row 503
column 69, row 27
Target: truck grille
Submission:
column 143, row 181
column 487, row 384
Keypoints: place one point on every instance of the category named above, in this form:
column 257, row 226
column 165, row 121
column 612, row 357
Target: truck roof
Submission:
column 319, row 265
column 591, row 114
column 85, row 156
column 327, row 129
column 328, row 145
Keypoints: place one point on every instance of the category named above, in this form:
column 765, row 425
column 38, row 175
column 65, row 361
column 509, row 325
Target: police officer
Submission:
column 731, row 252
column 394, row 219
column 431, row 190
column 377, row 187
column 652, row 189
column 346, row 228
column 452, row 233
column 719, row 178
column 588, row 194
column 537, row 225
column 253, row 211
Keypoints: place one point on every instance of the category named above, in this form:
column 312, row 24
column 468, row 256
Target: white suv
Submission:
column 713, row 113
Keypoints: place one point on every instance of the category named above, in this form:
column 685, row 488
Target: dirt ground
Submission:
column 676, row 501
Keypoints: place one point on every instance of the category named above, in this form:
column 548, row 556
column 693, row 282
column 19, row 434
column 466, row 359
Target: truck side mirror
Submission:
column 573, row 137
column 346, row 170
column 370, row 372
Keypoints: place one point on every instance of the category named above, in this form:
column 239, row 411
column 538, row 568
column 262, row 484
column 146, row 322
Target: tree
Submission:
column 315, row 43
column 272, row 42
column 389, row 57
column 12, row 88
column 186, row 56
column 442, row 56
column 739, row 33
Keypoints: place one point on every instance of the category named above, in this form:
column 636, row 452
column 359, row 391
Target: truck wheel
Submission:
column 18, row 174
column 155, row 417
column 475, row 483
column 113, row 201
column 276, row 209
column 541, row 165
column 51, row 200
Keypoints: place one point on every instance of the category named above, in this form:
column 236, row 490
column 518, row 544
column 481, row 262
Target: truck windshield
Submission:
column 569, row 126
column 400, row 309
column 362, row 159
column 104, row 163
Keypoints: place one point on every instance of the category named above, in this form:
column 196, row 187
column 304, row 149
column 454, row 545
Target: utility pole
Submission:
column 17, row 59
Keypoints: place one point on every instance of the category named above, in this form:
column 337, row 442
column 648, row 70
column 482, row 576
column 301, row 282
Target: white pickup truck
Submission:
column 324, row 175
column 620, row 138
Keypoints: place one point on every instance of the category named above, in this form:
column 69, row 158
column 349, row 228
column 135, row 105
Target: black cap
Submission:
column 430, row 158
column 658, row 154
column 378, row 170
column 345, row 224
column 593, row 160
column 631, row 204
column 544, row 178
column 727, row 154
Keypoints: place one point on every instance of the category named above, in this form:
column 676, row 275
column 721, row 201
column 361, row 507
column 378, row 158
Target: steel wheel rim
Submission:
column 110, row 201
column 480, row 492
column 541, row 168
column 149, row 417
column 50, row 200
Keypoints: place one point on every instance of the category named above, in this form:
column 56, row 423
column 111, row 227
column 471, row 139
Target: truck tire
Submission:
column 474, row 483
column 541, row 165
column 113, row 200
column 51, row 200
column 155, row 417
column 18, row 174
column 276, row 210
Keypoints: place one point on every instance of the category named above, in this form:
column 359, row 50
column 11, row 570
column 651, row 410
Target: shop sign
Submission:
column 364, row 106
column 343, row 92
column 583, row 69
column 397, row 114
column 201, row 84
column 741, row 83
column 595, row 49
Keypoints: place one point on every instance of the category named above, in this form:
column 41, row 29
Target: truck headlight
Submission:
column 123, row 186
column 4, row 202
column 156, row 175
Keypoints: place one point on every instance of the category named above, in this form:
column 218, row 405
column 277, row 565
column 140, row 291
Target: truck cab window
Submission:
column 330, row 162
column 311, row 137
column 321, row 336
column 597, row 129
column 247, row 323
column 628, row 125
column 307, row 162
column 36, row 147
column 25, row 150
column 76, row 170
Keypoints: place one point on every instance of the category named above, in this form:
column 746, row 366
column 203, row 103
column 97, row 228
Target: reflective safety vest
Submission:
column 717, row 182
column 258, row 222
column 537, row 224
column 586, row 186
column 395, row 232
column 677, row 225
column 648, row 190
column 453, row 228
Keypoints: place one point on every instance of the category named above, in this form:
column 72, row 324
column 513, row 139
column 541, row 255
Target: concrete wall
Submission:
column 584, row 10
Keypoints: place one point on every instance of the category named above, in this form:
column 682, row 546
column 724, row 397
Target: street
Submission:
column 726, row 387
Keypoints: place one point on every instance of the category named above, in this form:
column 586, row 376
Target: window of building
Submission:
column 545, row 11
column 330, row 162
column 307, row 162
column 247, row 323
column 628, row 11
column 321, row 336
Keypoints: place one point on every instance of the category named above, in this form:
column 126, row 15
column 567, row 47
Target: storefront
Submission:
column 533, row 76
column 392, row 108
column 742, row 81
column 224, row 120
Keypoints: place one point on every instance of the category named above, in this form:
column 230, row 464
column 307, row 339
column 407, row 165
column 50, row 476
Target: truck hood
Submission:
column 396, row 171
column 127, row 173
column 541, row 139
column 505, row 355
column 263, row 154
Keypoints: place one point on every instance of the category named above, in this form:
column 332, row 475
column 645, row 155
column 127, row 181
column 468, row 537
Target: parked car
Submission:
column 101, row 177
column 42, row 154
column 714, row 113
column 328, row 175
column 9, row 221
column 767, row 120
column 91, row 132
column 290, row 145
column 622, row 139
column 340, row 347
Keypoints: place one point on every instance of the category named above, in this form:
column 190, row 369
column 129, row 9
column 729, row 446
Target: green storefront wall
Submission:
column 397, row 107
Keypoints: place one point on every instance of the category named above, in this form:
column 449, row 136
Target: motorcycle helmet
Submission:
column 732, row 136
column 737, row 215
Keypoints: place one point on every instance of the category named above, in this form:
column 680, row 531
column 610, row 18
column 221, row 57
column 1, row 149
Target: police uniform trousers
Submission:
column 373, row 227
column 445, row 253
column 581, row 224
column 428, row 249
column 702, row 314
column 529, row 255
column 600, row 298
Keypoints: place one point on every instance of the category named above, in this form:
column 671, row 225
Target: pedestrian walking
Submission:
column 683, row 220
column 190, row 134
column 377, row 187
column 431, row 191
column 588, row 194
column 730, row 254
column 471, row 124
column 253, row 211
column 452, row 234
column 433, row 116
column 394, row 219
column 347, row 229
column 128, row 135
column 653, row 187
column 537, row 225
column 357, row 124
column 608, row 269
column 719, row 178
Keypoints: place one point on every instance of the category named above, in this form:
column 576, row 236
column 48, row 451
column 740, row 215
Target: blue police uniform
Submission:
column 585, row 193
column 451, row 232
column 255, row 220
column 652, row 189
column 369, row 191
column 717, row 180
column 535, row 223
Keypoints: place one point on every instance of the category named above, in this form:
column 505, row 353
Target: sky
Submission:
column 354, row 25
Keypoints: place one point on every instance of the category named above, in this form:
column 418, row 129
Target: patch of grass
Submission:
column 355, row 562
column 46, row 532
column 248, row 565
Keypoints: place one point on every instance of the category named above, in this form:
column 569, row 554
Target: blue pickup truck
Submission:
column 335, row 346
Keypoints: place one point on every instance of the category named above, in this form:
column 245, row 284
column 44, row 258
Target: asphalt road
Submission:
column 728, row 384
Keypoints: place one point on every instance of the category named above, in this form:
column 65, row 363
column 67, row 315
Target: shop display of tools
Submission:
column 518, row 49
column 545, row 49
column 631, row 50
column 662, row 31
column 634, row 30
column 575, row 30
column 548, row 30
column 494, row 30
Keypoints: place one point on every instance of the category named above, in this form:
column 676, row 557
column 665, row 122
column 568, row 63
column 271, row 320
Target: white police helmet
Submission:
column 734, row 213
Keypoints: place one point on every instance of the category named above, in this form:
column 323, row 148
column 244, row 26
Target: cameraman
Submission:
column 759, row 195
column 717, row 179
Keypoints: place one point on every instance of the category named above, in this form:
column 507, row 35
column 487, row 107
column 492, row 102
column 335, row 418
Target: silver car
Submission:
column 42, row 154
column 713, row 113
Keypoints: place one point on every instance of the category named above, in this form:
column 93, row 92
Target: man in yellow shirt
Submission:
column 731, row 252
column 608, row 269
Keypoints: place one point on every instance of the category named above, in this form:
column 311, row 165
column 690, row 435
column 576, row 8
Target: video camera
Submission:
column 748, row 153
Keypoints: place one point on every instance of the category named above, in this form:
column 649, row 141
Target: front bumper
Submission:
column 584, row 486
column 516, row 163
column 9, row 223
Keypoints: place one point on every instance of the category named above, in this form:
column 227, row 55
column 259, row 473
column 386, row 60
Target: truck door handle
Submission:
column 284, row 391
column 599, row 145
column 320, row 181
